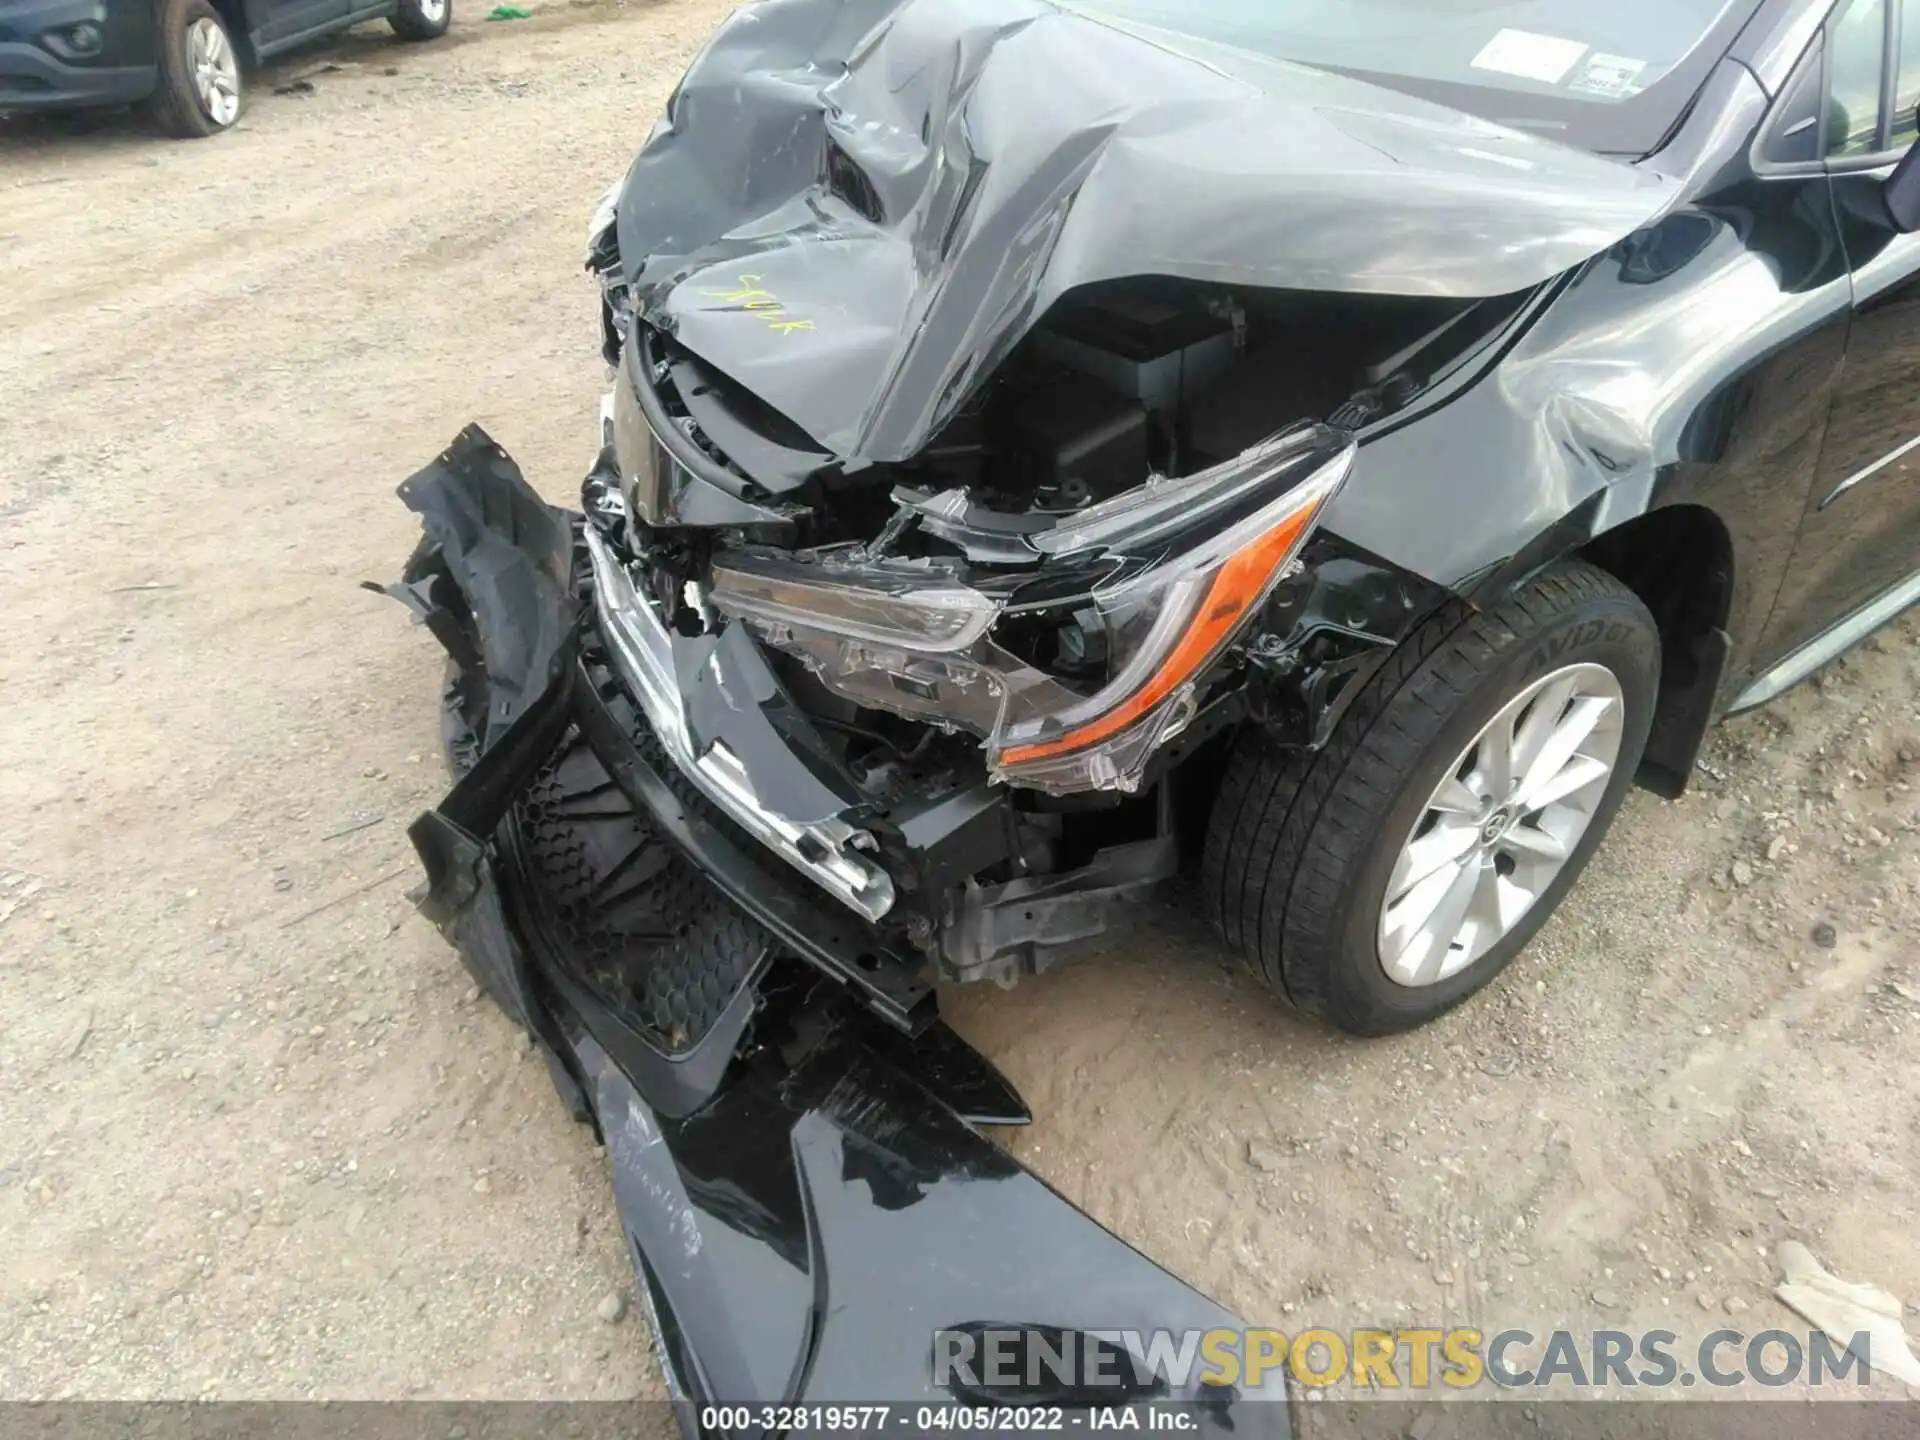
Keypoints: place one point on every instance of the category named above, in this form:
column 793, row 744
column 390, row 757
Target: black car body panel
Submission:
column 808, row 1208
column 1692, row 364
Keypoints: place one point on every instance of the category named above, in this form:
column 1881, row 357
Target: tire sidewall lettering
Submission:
column 1549, row 654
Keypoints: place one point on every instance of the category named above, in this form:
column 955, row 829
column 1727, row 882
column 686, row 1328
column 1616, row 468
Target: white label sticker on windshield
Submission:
column 1615, row 76
column 1545, row 58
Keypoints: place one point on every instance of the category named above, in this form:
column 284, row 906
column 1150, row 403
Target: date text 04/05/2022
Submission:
column 1165, row 1417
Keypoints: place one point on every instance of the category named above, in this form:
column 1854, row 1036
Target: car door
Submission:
column 278, row 23
column 1857, row 561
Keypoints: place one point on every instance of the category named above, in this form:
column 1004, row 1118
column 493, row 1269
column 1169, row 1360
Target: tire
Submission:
column 421, row 19
column 1302, row 847
column 194, row 39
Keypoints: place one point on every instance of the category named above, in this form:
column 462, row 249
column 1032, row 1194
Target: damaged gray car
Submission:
column 1309, row 460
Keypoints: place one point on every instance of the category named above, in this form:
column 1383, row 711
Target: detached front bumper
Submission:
column 805, row 1195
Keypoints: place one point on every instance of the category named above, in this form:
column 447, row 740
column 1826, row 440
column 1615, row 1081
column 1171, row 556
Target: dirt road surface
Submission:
column 258, row 1139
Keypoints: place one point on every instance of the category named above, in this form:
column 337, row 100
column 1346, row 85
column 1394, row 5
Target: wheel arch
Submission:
column 1679, row 560
column 233, row 14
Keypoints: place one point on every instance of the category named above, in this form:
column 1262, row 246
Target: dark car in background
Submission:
column 185, row 60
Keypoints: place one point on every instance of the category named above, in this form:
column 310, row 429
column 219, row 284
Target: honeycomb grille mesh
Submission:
column 623, row 910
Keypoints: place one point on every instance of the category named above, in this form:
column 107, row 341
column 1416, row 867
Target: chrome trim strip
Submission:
column 1830, row 643
column 643, row 654
column 1871, row 471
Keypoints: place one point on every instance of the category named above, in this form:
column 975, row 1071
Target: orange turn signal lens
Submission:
column 1241, row 584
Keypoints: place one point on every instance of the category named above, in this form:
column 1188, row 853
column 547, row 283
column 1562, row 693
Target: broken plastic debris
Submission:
column 509, row 12
column 1843, row 1310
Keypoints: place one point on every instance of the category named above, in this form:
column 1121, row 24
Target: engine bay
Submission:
column 1119, row 383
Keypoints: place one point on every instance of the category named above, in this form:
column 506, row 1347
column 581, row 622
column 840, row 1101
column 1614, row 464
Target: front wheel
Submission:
column 197, row 92
column 1387, row 877
column 421, row 19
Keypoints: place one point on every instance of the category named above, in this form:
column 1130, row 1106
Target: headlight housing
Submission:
column 1175, row 571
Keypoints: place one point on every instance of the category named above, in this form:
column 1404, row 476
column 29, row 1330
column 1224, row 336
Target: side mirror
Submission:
column 1903, row 192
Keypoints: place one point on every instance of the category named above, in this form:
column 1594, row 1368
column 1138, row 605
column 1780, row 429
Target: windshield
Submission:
column 1609, row 75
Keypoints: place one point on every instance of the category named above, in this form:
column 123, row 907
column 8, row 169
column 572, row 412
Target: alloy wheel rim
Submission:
column 1501, row 826
column 432, row 10
column 216, row 71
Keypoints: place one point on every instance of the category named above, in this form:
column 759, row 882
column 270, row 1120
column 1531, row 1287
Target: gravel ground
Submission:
column 258, row 1139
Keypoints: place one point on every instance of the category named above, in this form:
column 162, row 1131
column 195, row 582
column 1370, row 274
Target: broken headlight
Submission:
column 1157, row 584
column 1224, row 540
column 907, row 606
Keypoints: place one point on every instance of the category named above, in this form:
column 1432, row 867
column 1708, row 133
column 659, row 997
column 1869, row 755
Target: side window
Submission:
column 1906, row 88
column 1857, row 42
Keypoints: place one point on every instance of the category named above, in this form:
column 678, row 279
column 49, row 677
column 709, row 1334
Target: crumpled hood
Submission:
column 856, row 208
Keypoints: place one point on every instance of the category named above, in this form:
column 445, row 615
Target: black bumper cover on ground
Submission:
column 805, row 1214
